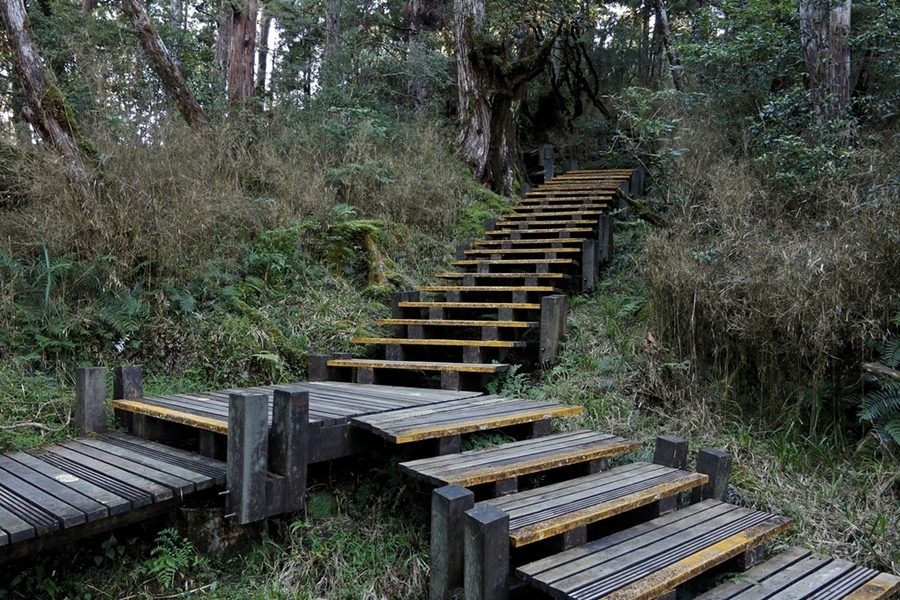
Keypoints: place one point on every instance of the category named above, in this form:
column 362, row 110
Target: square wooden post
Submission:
column 486, row 553
column 248, row 424
column 289, row 444
column 90, row 399
column 553, row 326
column 670, row 451
column 717, row 465
column 448, row 507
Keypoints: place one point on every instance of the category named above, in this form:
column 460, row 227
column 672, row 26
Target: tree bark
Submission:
column 332, row 29
column 491, row 87
column 44, row 105
column 164, row 66
column 674, row 64
column 243, row 46
column 824, row 37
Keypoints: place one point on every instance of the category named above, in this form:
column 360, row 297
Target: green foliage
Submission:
column 880, row 407
column 171, row 563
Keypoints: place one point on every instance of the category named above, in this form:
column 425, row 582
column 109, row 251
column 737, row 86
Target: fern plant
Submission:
column 881, row 407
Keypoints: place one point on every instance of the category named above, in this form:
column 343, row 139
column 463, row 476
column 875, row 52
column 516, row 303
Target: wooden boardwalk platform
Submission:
column 91, row 484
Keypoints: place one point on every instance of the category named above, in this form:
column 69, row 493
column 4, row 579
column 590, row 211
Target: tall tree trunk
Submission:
column 262, row 55
column 824, row 37
column 491, row 88
column 44, row 106
column 224, row 39
column 644, row 53
column 332, row 29
column 164, row 66
column 662, row 19
column 417, row 86
column 243, row 55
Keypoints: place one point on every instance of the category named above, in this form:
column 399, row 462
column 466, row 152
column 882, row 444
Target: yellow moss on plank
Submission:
column 174, row 416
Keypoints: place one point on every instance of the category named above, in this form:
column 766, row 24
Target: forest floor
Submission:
column 364, row 532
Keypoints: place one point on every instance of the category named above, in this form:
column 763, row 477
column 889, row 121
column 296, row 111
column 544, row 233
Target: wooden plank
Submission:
column 175, row 416
column 883, row 586
column 199, row 480
column 112, row 457
column 547, row 243
column 475, row 305
column 90, row 508
column 155, row 491
column 14, row 529
column 441, row 342
column 114, row 503
column 757, row 575
column 421, row 365
column 656, row 560
column 489, row 288
column 459, row 323
column 517, row 458
column 195, row 462
column 538, row 231
column 514, row 261
column 23, row 496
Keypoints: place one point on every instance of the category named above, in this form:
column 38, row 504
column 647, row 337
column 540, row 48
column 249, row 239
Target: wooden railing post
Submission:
column 717, row 465
column 289, row 444
column 605, row 247
column 90, row 399
column 486, row 553
column 546, row 151
column 248, row 424
column 553, row 326
column 448, row 508
column 671, row 451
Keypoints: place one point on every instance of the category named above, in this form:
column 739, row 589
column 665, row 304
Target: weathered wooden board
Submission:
column 554, row 509
column 648, row 560
column 517, row 458
column 458, row 417
column 798, row 573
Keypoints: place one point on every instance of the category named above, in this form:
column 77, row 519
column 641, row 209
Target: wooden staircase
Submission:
column 504, row 304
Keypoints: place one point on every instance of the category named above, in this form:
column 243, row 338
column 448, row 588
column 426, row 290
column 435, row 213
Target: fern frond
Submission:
column 892, row 428
column 881, row 405
column 890, row 353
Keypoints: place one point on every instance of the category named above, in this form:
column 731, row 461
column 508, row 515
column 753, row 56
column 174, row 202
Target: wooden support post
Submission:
column 553, row 326
column 490, row 224
column 448, row 507
column 569, row 539
column 589, row 262
column 90, row 399
column 398, row 312
column 637, row 182
column 717, row 465
column 546, row 152
column 503, row 487
column 570, row 164
column 128, row 383
column 605, row 248
column 320, row 371
column 486, row 553
column 289, row 444
column 526, row 187
column 460, row 251
column 671, row 451
column 248, row 424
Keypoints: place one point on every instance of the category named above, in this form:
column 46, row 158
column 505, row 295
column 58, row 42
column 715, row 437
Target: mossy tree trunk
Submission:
column 44, row 106
column 662, row 18
column 165, row 67
column 491, row 87
column 825, row 38
column 236, row 48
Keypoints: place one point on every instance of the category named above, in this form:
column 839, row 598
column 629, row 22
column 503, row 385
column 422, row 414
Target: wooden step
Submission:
column 564, row 199
column 437, row 342
column 544, row 209
column 458, row 322
column 543, row 224
column 474, row 305
column 535, row 276
column 459, row 417
column 539, row 231
column 798, row 573
column 649, row 560
column 546, row 511
column 412, row 365
column 548, row 243
column 563, row 216
column 524, row 289
column 518, row 458
column 519, row 251
column 514, row 261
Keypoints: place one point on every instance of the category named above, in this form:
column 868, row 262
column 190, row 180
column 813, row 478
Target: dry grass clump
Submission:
column 776, row 293
column 168, row 197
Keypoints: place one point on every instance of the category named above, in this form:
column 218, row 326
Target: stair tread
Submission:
column 798, row 573
column 541, row 230
column 459, row 323
column 472, row 305
column 474, row 262
column 573, row 240
column 531, row 275
column 541, row 224
column 542, row 209
column 517, row 458
column 439, row 342
column 460, row 416
column 419, row 365
column 653, row 558
column 586, row 199
column 489, row 288
column 542, row 512
column 476, row 252
column 524, row 215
